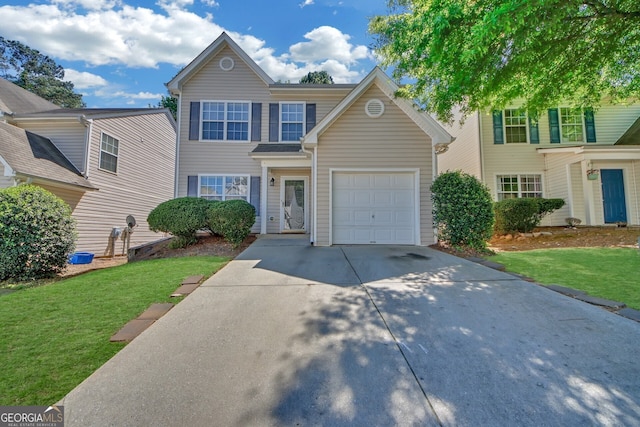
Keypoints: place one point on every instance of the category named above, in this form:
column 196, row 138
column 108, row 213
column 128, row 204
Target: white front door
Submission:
column 293, row 204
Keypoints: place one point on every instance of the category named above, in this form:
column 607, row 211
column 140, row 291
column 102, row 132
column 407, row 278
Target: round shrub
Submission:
column 523, row 214
column 462, row 210
column 37, row 233
column 232, row 219
column 181, row 217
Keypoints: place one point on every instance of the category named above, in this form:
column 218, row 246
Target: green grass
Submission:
column 53, row 337
column 611, row 273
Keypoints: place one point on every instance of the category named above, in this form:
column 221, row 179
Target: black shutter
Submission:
column 554, row 126
column 534, row 134
column 194, row 121
column 255, row 194
column 256, row 121
column 498, row 134
column 590, row 125
column 311, row 117
column 274, row 122
column 192, row 186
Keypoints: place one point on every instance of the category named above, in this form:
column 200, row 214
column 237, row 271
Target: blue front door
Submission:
column 615, row 206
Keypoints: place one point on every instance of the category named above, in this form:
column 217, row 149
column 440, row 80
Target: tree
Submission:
column 170, row 103
column 317, row 77
column 36, row 73
column 487, row 53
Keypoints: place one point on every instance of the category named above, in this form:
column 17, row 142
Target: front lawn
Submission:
column 611, row 273
column 53, row 337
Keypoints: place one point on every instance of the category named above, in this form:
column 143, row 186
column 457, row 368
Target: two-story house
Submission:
column 589, row 158
column 343, row 163
column 107, row 164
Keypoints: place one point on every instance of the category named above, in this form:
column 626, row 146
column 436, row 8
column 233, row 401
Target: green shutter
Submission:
column 498, row 133
column 554, row 126
column 590, row 125
column 534, row 134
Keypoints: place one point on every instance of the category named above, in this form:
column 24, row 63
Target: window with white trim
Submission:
column 519, row 185
column 109, row 153
column 571, row 124
column 225, row 121
column 515, row 126
column 292, row 121
column 224, row 187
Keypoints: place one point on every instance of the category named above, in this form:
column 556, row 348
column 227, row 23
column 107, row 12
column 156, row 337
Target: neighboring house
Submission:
column 105, row 163
column 346, row 164
column 591, row 159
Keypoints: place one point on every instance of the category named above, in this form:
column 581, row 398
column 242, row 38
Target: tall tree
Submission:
column 170, row 103
column 36, row 73
column 487, row 53
column 317, row 77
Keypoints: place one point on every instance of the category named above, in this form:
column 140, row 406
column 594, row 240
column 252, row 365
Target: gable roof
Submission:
column 16, row 100
column 378, row 77
column 631, row 136
column 175, row 84
column 35, row 156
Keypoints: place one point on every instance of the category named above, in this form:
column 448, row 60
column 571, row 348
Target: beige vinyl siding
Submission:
column 144, row 179
column 68, row 135
column 577, row 192
column 612, row 121
column 5, row 181
column 556, row 185
column 464, row 152
column 356, row 141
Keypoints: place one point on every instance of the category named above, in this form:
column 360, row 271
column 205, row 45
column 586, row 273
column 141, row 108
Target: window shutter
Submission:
column 554, row 126
column 498, row 134
column 254, row 197
column 534, row 135
column 192, row 186
column 274, row 122
column 311, row 117
column 194, row 121
column 590, row 125
column 256, row 121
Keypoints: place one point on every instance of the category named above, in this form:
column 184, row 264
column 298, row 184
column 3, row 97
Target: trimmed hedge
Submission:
column 37, row 233
column 523, row 214
column 182, row 217
column 232, row 219
column 462, row 210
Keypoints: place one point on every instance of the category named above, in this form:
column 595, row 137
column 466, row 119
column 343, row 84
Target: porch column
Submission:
column 264, row 186
column 587, row 187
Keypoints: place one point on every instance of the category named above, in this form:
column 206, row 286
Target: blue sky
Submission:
column 119, row 53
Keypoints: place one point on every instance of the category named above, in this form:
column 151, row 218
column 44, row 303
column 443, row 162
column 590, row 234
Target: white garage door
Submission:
column 373, row 208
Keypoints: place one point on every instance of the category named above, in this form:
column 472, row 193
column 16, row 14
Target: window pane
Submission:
column 108, row 162
column 291, row 131
column 213, row 111
column 515, row 126
column 571, row 124
column 213, row 130
column 236, row 187
column 237, row 131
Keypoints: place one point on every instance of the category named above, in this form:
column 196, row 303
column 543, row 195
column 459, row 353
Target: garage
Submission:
column 374, row 208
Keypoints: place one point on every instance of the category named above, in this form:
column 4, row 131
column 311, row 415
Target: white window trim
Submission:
column 504, row 127
column 304, row 118
column 518, row 174
column 117, row 156
column 584, row 126
column 224, row 175
column 232, row 141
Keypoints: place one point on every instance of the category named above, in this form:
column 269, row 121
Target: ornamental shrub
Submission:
column 462, row 210
column 182, row 217
column 37, row 233
column 524, row 214
column 232, row 219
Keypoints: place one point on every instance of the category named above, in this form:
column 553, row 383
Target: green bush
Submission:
column 232, row 219
column 181, row 217
column 462, row 210
column 37, row 233
column 524, row 214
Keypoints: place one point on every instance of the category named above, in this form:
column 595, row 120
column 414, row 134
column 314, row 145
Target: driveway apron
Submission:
column 290, row 334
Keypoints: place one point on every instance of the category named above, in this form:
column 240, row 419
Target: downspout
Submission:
column 480, row 142
column 177, row 165
column 314, row 168
column 89, row 133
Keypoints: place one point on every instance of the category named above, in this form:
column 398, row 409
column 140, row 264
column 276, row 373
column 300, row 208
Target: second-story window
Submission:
column 291, row 121
column 515, row 126
column 225, row 121
column 571, row 125
column 109, row 153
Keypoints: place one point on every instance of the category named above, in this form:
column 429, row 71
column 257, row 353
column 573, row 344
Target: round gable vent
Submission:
column 374, row 108
column 227, row 63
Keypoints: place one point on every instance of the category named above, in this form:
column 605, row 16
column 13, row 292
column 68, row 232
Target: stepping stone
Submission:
column 155, row 311
column 601, row 301
column 565, row 291
column 184, row 290
column 192, row 280
column 131, row 330
column 630, row 313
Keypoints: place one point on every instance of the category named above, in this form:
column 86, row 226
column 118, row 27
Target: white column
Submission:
column 264, row 186
column 587, row 186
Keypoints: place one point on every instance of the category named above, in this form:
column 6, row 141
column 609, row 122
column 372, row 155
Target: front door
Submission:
column 293, row 198
column 615, row 206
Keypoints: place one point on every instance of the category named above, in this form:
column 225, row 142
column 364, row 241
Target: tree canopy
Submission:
column 168, row 102
column 488, row 53
column 317, row 77
column 37, row 73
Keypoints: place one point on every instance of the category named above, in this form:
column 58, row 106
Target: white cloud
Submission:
column 328, row 43
column 305, row 3
column 83, row 79
column 210, row 3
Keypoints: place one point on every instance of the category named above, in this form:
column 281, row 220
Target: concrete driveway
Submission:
column 288, row 334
